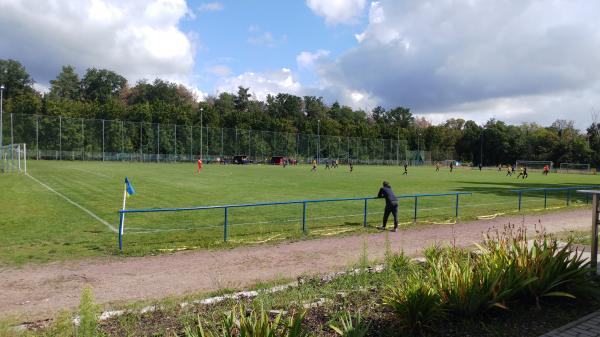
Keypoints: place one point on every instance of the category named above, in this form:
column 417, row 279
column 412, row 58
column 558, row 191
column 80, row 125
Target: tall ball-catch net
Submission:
column 13, row 158
column 574, row 168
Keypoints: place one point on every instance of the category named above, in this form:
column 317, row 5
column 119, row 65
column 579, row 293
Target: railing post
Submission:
column 456, row 210
column 416, row 203
column 365, row 214
column 520, row 195
column 568, row 196
column 225, row 223
column 304, row 217
column 545, row 198
column 594, row 252
column 587, row 200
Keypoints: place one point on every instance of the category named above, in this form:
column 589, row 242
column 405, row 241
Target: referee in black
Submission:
column 391, row 205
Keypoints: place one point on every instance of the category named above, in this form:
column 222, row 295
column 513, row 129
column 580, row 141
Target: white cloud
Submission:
column 262, row 84
column 307, row 59
column 220, row 70
column 524, row 60
column 211, row 7
column 266, row 38
column 138, row 39
column 337, row 11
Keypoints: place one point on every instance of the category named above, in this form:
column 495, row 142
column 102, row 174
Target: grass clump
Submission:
column 508, row 268
column 241, row 322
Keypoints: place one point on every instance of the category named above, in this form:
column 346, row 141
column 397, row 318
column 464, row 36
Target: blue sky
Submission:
column 258, row 36
column 514, row 60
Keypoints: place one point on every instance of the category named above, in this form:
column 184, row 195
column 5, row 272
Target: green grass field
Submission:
column 39, row 226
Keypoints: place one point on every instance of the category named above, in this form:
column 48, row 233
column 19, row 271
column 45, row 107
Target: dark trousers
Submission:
column 390, row 208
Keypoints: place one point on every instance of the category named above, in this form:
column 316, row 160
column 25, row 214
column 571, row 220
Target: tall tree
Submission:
column 66, row 85
column 101, row 85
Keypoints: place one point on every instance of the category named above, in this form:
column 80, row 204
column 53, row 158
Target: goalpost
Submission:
column 534, row 164
column 13, row 158
column 574, row 168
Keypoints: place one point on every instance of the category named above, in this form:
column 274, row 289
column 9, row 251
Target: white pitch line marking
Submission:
column 90, row 213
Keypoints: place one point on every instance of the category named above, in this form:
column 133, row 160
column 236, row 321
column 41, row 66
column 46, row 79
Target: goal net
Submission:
column 13, row 158
column 447, row 162
column 534, row 164
column 574, row 168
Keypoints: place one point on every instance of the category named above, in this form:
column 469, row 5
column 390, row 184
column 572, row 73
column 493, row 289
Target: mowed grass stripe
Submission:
column 41, row 227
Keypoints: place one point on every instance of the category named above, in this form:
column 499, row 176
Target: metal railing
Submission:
column 546, row 190
column 304, row 203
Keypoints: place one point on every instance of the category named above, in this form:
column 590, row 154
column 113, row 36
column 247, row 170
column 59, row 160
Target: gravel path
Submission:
column 36, row 292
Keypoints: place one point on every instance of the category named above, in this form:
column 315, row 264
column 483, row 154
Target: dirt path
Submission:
column 35, row 292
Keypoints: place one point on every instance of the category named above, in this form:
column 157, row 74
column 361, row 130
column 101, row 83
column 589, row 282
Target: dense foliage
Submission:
column 104, row 94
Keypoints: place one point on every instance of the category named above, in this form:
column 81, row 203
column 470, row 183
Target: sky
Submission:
column 514, row 60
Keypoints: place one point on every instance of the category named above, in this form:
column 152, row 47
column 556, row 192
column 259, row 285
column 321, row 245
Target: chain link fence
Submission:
column 62, row 138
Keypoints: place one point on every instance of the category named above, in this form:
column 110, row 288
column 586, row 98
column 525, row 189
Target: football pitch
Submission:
column 67, row 210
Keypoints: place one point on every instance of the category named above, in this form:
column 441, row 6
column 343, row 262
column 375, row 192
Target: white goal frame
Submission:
column 13, row 158
column 574, row 168
column 534, row 164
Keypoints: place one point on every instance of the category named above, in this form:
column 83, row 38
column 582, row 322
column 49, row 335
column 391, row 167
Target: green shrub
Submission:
column 241, row 323
column 350, row 326
column 415, row 303
column 541, row 268
column 398, row 263
column 463, row 286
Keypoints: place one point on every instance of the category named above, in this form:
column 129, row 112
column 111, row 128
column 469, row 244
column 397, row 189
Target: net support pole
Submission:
column 59, row 137
column 18, row 157
column 594, row 255
column 12, row 139
column 416, row 206
column 365, row 214
column 103, row 140
column 568, row 197
column 25, row 157
column 456, row 209
column 545, row 198
column 82, row 141
column 304, row 217
column 520, row 197
column 37, row 137
column 225, row 224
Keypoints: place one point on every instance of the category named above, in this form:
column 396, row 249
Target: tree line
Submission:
column 105, row 94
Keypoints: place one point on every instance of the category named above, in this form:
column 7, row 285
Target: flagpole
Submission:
column 122, row 219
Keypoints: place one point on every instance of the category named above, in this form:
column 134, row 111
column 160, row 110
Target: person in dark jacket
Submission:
column 391, row 205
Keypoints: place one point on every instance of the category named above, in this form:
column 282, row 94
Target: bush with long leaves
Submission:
column 350, row 326
column 415, row 303
column 241, row 323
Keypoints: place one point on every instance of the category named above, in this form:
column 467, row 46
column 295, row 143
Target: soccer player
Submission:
column 391, row 205
column 351, row 167
column 451, row 166
column 327, row 164
column 405, row 169
column 509, row 171
column 314, row 166
column 199, row 165
column 546, row 170
column 480, row 166
column 437, row 166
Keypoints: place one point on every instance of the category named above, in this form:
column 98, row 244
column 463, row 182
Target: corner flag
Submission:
column 129, row 187
column 129, row 191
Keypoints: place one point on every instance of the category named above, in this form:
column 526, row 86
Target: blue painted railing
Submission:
column 304, row 208
column 546, row 190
